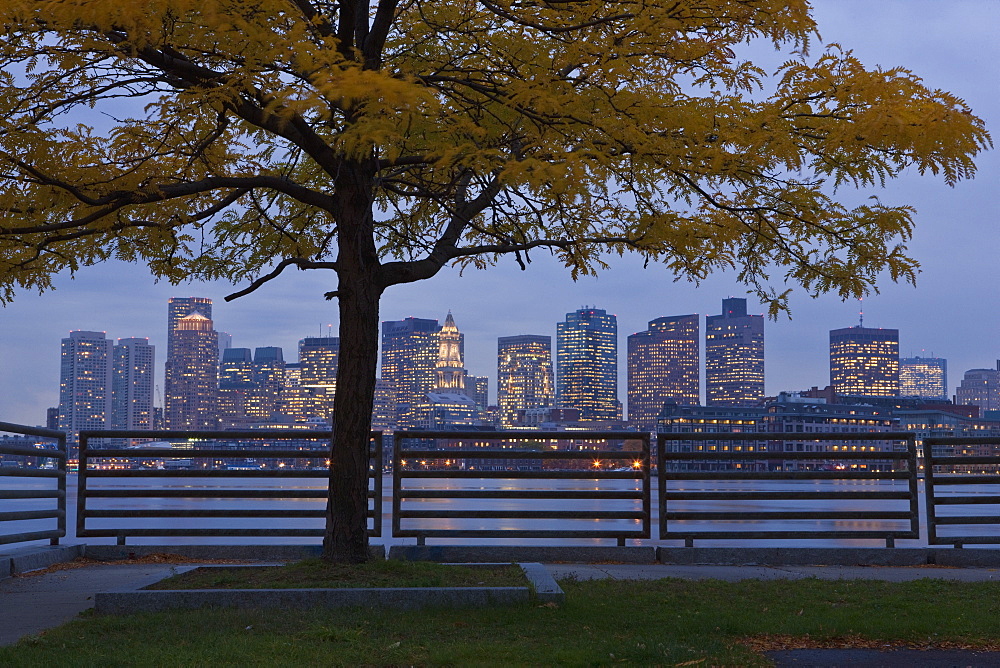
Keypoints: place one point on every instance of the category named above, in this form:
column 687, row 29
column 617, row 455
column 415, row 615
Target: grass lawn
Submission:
column 604, row 622
column 317, row 574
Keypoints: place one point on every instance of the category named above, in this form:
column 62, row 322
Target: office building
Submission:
column 180, row 307
column 478, row 387
column 734, row 356
column 663, row 367
column 132, row 384
column 587, row 364
column 864, row 362
column 269, row 380
column 925, row 377
column 236, row 382
column 85, row 382
column 191, row 380
column 410, row 351
column 524, row 375
column 980, row 387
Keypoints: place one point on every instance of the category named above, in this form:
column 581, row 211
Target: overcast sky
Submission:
column 952, row 313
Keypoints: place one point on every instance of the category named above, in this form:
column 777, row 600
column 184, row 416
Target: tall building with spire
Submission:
column 864, row 361
column 587, row 365
column 85, row 382
column 192, row 374
column 663, row 367
column 132, row 384
column 450, row 366
column 524, row 375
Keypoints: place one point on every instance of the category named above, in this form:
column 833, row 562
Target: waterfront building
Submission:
column 191, row 381
column 864, row 361
column 410, row 350
column 85, row 382
column 677, row 418
column 587, row 365
column 524, row 375
column 734, row 356
column 663, row 367
column 980, row 387
column 132, row 384
column 925, row 377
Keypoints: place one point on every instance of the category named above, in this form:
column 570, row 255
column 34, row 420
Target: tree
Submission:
column 385, row 140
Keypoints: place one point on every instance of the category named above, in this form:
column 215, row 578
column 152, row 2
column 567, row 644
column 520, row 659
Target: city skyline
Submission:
column 948, row 315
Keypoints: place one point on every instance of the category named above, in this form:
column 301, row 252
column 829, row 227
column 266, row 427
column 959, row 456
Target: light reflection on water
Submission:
column 319, row 483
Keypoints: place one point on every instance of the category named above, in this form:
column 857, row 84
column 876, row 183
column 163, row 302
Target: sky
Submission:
column 951, row 313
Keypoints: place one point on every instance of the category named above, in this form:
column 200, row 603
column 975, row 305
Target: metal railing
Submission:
column 28, row 492
column 947, row 478
column 443, row 503
column 724, row 503
column 214, row 494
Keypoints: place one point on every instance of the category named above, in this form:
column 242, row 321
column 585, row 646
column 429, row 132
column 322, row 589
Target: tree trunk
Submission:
column 358, row 292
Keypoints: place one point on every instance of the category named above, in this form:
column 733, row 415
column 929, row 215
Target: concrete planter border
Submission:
column 545, row 588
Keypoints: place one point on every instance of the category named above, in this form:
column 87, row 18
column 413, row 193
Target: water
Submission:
column 319, row 484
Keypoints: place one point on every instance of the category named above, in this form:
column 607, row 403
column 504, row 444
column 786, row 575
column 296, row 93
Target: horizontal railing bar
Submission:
column 206, row 453
column 775, row 455
column 137, row 532
column 516, row 435
column 518, row 494
column 209, row 494
column 206, row 513
column 519, row 454
column 32, row 494
column 791, row 436
column 964, row 540
column 12, row 472
column 964, row 500
column 212, row 473
column 515, row 533
column 523, row 514
column 961, row 440
column 31, row 535
column 32, row 452
column 972, row 479
column 738, row 495
column 960, row 460
column 776, row 535
column 16, row 515
column 784, row 475
column 787, row 515
column 525, row 475
column 966, row 519
column 207, row 435
column 12, row 428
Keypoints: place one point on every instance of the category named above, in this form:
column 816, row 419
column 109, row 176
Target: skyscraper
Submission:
column 524, row 375
column 192, row 374
column 85, row 382
column 269, row 380
column 179, row 307
column 864, row 361
column 663, row 364
column 587, row 364
column 734, row 356
column 925, row 377
column 410, row 350
column 132, row 384
column 236, row 383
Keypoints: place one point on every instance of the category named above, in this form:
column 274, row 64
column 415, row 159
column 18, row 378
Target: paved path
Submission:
column 30, row 604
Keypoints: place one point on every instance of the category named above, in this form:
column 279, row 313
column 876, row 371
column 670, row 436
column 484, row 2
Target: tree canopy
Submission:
column 383, row 140
column 217, row 134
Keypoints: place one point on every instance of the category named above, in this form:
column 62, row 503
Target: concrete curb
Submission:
column 235, row 552
column 451, row 554
column 832, row 556
column 34, row 558
column 127, row 602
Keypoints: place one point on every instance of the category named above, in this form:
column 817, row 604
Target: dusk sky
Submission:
column 952, row 313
